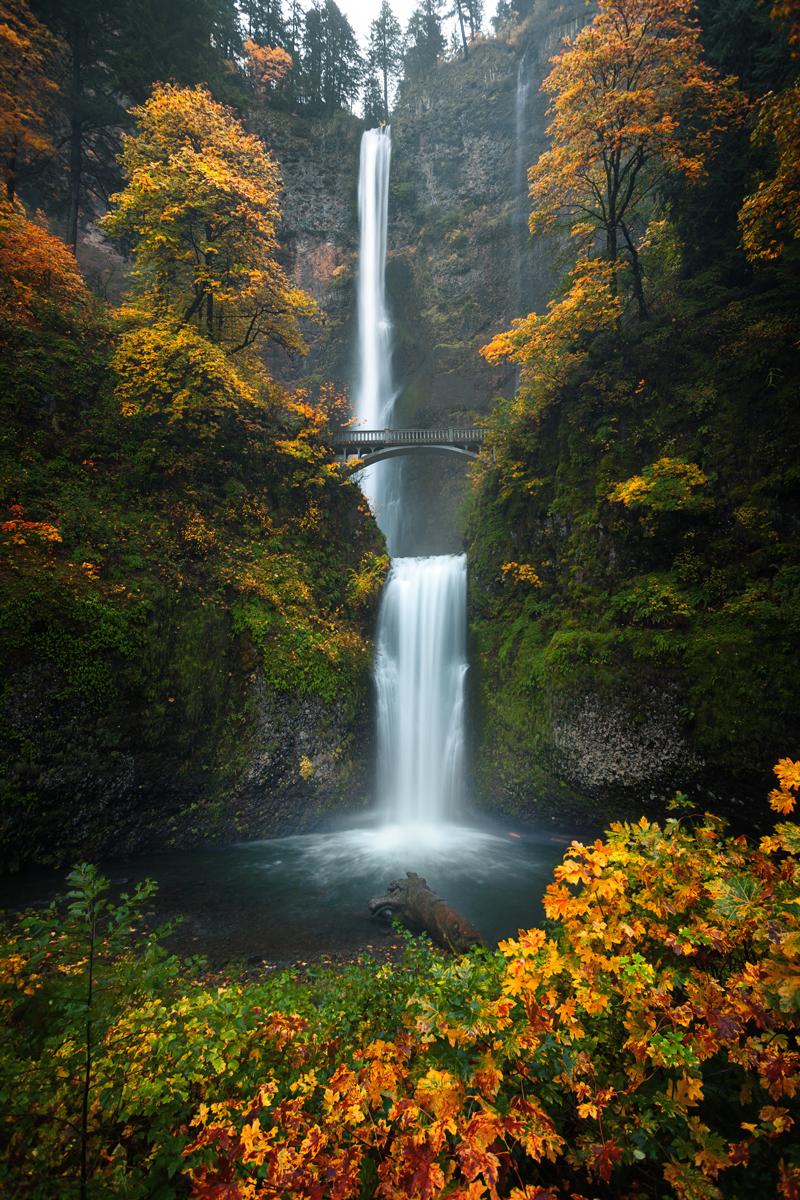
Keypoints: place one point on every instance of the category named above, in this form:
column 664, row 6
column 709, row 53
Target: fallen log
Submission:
column 422, row 911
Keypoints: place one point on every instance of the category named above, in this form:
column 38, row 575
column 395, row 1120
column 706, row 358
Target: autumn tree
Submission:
column 39, row 279
column 385, row 52
column 770, row 218
column 28, row 89
column 199, row 211
column 267, row 67
column 633, row 104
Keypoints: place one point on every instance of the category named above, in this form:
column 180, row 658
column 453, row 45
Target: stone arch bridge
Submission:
column 375, row 445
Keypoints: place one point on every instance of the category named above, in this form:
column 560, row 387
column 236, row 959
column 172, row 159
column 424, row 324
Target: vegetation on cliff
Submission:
column 155, row 479
column 635, row 538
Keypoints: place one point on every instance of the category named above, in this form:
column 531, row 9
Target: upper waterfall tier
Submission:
column 374, row 392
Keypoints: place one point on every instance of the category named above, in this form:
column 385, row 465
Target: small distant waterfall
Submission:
column 420, row 676
column 520, row 216
column 375, row 393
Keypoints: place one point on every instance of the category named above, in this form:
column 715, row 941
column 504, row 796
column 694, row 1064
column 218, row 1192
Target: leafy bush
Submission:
column 647, row 1047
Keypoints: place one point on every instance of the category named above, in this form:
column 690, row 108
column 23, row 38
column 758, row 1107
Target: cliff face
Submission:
column 459, row 264
column 577, row 696
column 222, row 757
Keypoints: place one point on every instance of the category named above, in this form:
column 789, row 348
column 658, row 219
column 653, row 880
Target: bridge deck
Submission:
column 370, row 441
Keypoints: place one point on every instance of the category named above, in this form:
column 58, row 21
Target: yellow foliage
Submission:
column 200, row 210
column 179, row 377
column 521, row 573
column 665, row 486
column 771, row 216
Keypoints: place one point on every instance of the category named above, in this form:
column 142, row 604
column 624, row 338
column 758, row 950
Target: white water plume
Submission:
column 375, row 392
column 420, row 676
column 520, row 215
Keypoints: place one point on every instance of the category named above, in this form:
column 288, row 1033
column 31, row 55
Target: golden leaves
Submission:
column 677, row 948
column 770, row 217
column 782, row 799
column 200, row 207
column 664, row 486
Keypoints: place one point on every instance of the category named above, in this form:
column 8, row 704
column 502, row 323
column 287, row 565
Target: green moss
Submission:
column 703, row 597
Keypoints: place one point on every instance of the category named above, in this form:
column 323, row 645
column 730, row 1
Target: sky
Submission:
column 361, row 14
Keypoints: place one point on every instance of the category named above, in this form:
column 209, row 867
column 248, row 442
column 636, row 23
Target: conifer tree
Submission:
column 385, row 52
column 424, row 40
column 175, row 41
column 264, row 23
column 89, row 31
column 332, row 66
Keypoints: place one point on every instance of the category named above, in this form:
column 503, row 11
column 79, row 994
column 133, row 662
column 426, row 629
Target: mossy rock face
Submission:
column 659, row 649
column 192, row 746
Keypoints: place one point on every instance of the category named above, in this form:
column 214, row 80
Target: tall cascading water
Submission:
column 421, row 638
column 375, row 393
column 520, row 214
column 420, row 674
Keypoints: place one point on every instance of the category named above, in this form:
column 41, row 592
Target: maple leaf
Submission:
column 603, row 1158
column 788, row 1180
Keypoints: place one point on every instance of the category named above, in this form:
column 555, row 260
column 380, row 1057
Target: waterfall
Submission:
column 375, row 393
column 520, row 215
column 420, row 672
column 421, row 638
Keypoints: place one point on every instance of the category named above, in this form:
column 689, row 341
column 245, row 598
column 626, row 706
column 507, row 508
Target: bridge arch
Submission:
column 376, row 445
column 376, row 456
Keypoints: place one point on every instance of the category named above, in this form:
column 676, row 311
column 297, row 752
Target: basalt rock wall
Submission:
column 460, row 264
column 224, row 757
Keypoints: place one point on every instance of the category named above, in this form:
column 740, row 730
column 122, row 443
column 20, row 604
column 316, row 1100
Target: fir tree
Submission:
column 385, row 53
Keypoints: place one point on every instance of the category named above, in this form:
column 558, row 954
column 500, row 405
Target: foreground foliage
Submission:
column 648, row 1047
column 644, row 1045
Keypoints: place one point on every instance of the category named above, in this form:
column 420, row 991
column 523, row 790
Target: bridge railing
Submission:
column 355, row 437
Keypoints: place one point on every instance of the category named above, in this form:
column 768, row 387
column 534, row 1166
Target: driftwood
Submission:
column 422, row 911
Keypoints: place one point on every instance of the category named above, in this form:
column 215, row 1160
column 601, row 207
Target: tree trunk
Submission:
column 421, row 910
column 11, row 169
column 461, row 23
column 638, row 290
column 75, row 137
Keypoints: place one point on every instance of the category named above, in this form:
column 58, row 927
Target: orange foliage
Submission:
column 787, row 14
column 19, row 530
column 268, row 69
column 27, row 90
column 547, row 346
column 633, row 103
column 38, row 274
column 771, row 216
column 783, row 799
column 591, row 1058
